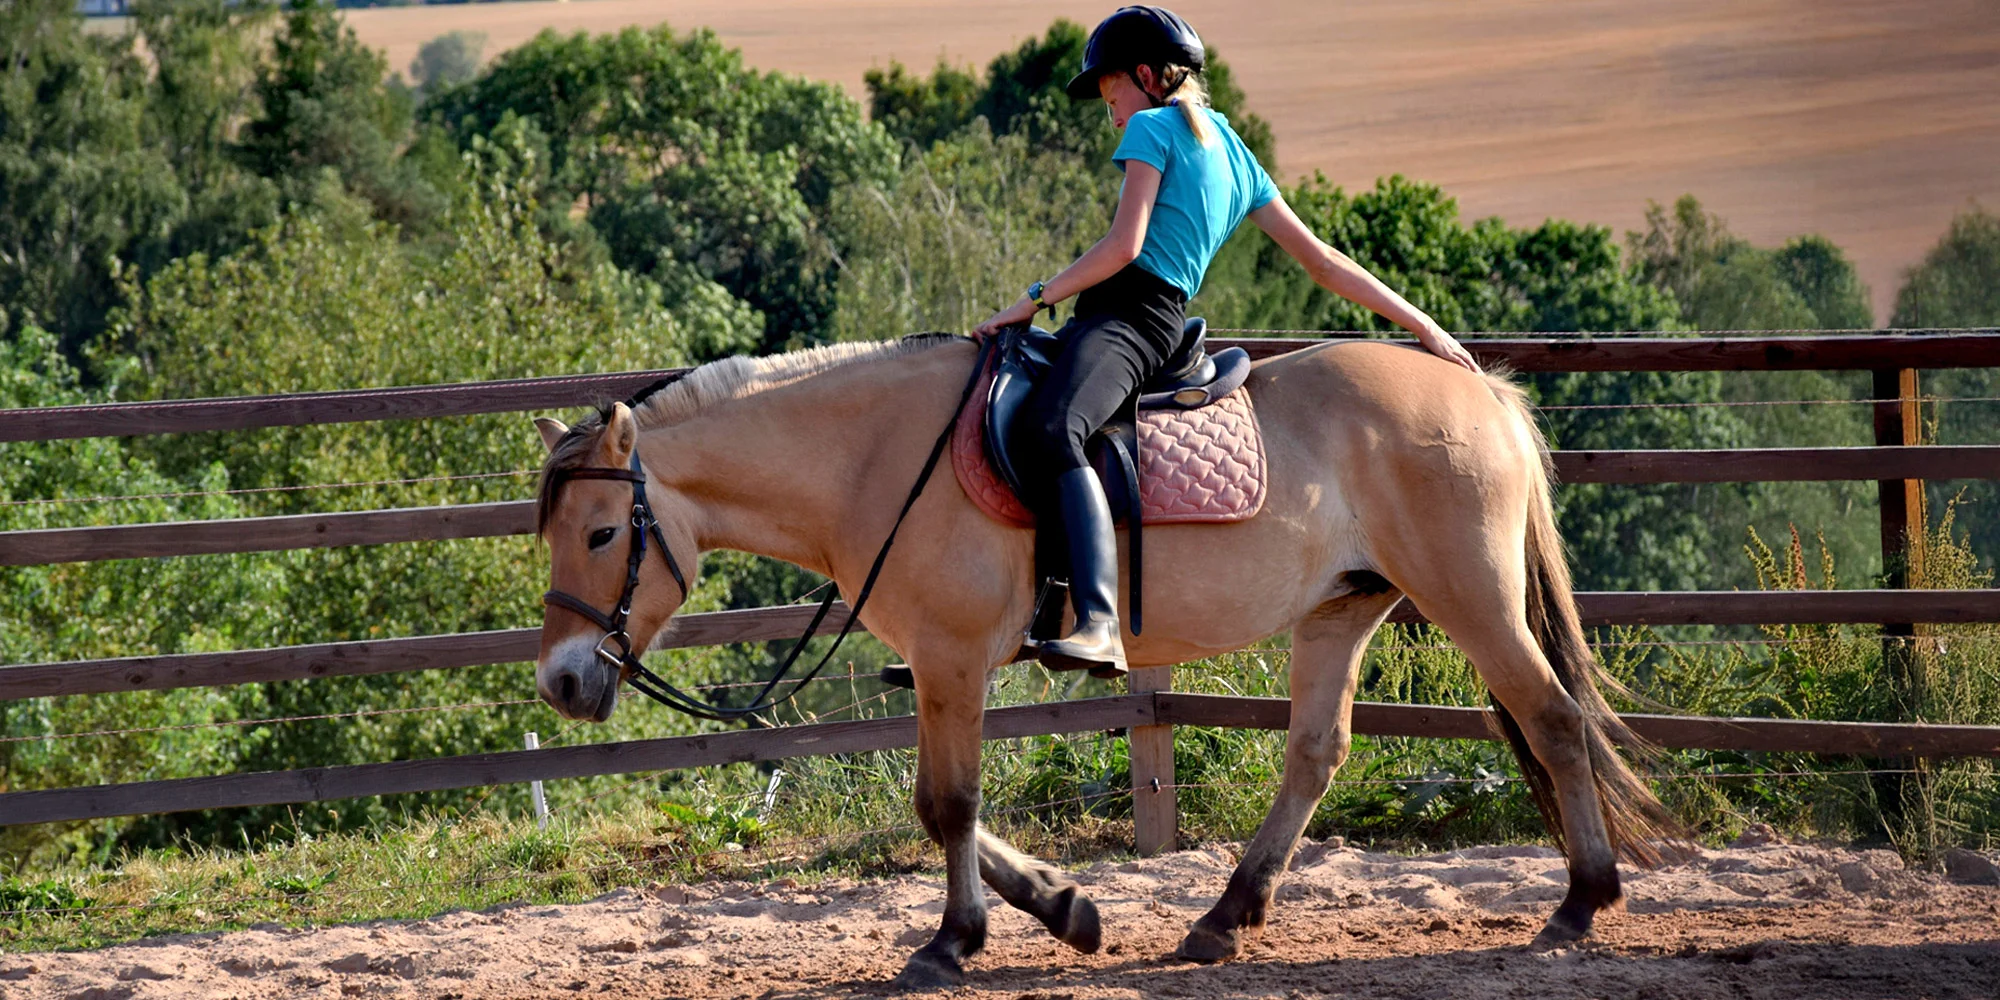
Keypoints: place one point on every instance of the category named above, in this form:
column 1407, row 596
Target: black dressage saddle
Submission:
column 1192, row 379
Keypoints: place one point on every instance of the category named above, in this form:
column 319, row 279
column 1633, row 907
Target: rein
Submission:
column 644, row 524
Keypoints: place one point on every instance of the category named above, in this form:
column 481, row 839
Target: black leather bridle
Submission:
column 645, row 525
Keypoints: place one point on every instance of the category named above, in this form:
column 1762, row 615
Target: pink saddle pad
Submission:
column 1196, row 466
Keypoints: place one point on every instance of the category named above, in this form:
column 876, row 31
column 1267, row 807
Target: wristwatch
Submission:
column 1035, row 295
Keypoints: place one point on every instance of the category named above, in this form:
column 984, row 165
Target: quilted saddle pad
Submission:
column 1196, row 466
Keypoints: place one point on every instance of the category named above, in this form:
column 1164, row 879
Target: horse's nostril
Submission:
column 566, row 687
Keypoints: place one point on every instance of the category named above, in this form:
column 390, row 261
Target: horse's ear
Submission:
column 621, row 434
column 552, row 431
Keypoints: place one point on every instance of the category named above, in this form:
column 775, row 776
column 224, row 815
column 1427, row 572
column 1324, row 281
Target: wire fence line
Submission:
column 1923, row 400
column 807, row 715
column 239, row 723
column 1604, row 334
column 520, row 473
column 248, row 490
column 1510, row 779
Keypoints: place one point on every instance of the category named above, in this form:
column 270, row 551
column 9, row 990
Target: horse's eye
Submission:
column 602, row 537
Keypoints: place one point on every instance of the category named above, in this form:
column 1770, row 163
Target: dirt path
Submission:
column 1871, row 121
column 1770, row 923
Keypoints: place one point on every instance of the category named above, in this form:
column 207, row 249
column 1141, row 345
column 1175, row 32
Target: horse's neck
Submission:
column 802, row 472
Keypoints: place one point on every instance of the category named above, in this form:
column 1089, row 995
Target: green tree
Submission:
column 918, row 109
column 1023, row 94
column 325, row 301
column 324, row 110
column 681, row 157
column 1482, row 276
column 970, row 223
column 206, row 55
column 1821, row 274
column 447, row 60
column 1724, row 283
column 1958, row 283
column 79, row 188
column 122, row 607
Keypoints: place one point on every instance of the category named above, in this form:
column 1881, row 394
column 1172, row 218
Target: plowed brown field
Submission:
column 1871, row 121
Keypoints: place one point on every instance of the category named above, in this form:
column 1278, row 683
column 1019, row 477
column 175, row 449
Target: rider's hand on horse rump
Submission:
column 1445, row 346
column 1020, row 312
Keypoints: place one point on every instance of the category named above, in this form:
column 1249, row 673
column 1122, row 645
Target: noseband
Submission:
column 644, row 524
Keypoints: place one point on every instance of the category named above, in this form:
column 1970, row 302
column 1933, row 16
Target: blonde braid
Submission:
column 1187, row 92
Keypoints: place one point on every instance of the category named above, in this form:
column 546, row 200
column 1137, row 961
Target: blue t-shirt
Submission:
column 1205, row 191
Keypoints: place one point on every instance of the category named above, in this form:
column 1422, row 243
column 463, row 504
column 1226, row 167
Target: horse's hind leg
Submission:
column 1326, row 659
column 1520, row 677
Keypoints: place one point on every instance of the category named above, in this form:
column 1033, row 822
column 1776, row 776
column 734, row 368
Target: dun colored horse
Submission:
column 1392, row 474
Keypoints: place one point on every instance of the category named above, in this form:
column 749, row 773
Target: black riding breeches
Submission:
column 1124, row 330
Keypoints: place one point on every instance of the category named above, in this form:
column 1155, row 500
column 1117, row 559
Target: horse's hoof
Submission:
column 1206, row 944
column 1561, row 930
column 1075, row 922
column 925, row 971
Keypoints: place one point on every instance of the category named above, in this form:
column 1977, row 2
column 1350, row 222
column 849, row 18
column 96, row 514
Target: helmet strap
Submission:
column 1150, row 99
column 1160, row 77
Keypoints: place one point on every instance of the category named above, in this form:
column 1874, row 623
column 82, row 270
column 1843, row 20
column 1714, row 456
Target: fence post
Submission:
column 1155, row 820
column 533, row 741
column 1898, row 421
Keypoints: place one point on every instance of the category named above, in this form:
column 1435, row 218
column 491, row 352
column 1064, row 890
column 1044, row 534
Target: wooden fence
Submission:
column 1148, row 714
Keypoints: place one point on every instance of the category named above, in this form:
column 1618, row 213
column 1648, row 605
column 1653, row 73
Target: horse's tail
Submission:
column 1641, row 828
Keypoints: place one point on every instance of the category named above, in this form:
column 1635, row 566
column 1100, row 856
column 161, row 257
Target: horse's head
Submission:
column 610, row 591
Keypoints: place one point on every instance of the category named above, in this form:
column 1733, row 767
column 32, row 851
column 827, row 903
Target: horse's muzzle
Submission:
column 577, row 684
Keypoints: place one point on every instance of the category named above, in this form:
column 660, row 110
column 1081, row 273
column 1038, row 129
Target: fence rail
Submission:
column 474, row 649
column 1876, row 350
column 1130, row 711
column 1897, row 462
column 42, row 546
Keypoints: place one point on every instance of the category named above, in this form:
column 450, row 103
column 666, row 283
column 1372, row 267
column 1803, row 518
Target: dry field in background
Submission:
column 1871, row 121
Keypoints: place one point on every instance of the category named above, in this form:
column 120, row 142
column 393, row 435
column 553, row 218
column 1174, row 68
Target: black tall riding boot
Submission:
column 1098, row 644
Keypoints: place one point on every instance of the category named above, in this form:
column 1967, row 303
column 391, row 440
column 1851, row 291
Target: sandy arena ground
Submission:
column 1771, row 922
column 1871, row 121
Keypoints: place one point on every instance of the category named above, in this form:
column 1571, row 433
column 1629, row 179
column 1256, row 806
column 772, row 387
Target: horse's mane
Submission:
column 680, row 397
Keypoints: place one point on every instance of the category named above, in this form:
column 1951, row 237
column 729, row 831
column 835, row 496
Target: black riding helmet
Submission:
column 1133, row 37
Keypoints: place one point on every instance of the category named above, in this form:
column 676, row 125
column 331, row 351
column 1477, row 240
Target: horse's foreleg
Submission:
column 949, row 711
column 1045, row 893
column 1326, row 656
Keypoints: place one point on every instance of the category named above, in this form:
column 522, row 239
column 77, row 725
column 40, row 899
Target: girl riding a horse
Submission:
column 1189, row 181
